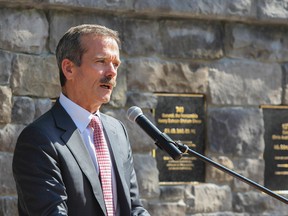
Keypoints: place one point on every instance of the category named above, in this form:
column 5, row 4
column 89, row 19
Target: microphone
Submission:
column 162, row 140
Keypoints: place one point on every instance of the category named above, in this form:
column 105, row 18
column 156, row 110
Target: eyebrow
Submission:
column 106, row 57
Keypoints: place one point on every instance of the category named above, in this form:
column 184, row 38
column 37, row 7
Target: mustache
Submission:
column 108, row 80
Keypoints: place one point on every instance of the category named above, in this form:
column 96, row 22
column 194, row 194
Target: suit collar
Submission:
column 79, row 115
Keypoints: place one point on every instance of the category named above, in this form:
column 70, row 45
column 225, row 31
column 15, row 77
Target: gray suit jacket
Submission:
column 55, row 175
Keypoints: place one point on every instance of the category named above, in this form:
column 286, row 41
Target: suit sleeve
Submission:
column 40, row 188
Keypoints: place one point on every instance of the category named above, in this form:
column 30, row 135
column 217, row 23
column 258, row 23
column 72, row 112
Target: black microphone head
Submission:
column 133, row 112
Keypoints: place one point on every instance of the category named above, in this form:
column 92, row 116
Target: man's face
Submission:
column 93, row 81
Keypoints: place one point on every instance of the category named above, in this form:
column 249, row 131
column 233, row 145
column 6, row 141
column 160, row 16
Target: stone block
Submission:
column 60, row 22
column 285, row 82
column 254, row 202
column 201, row 9
column 23, row 110
column 222, row 214
column 172, row 193
column 18, row 2
column 143, row 74
column 272, row 206
column 236, row 82
column 35, row 76
column 42, row 105
column 25, row 30
column 5, row 67
column 141, row 99
column 246, row 167
column 7, row 184
column 273, row 10
column 107, row 5
column 191, row 39
column 167, row 208
column 210, row 198
column 147, row 175
column 242, row 166
column 8, row 206
column 6, row 104
column 236, row 131
column 262, row 42
column 150, row 75
column 217, row 176
column 136, row 41
column 8, row 136
column 189, row 199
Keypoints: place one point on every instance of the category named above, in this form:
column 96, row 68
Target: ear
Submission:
column 68, row 68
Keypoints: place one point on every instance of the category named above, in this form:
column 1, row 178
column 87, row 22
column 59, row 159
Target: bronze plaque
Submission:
column 181, row 117
column 276, row 147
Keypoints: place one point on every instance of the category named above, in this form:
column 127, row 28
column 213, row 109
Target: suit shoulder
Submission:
column 43, row 121
column 40, row 124
column 110, row 118
column 113, row 122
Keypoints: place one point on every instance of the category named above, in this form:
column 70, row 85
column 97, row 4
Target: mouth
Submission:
column 106, row 86
column 107, row 83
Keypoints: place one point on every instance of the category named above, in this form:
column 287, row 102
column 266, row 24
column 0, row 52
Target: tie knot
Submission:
column 95, row 122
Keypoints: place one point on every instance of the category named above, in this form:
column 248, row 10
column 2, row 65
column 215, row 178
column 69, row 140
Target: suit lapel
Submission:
column 76, row 145
column 78, row 149
column 112, row 137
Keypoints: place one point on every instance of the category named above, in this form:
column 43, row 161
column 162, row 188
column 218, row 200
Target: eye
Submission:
column 100, row 60
column 116, row 65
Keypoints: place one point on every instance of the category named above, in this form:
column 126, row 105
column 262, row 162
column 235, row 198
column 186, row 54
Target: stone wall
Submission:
column 233, row 52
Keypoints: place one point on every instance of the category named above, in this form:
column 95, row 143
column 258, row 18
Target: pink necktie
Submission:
column 104, row 163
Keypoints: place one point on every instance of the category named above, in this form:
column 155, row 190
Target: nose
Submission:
column 111, row 70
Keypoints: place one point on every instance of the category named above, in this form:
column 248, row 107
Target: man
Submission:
column 57, row 164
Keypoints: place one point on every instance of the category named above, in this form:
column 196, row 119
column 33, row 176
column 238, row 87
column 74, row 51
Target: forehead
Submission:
column 93, row 42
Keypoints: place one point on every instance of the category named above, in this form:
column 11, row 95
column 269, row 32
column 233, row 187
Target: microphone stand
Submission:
column 185, row 149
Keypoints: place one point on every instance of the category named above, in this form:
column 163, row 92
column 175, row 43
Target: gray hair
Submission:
column 70, row 47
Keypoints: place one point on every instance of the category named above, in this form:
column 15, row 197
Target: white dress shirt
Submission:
column 82, row 118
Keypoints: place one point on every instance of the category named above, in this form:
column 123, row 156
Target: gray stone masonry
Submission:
column 235, row 52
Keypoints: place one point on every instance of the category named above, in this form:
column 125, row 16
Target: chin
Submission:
column 106, row 100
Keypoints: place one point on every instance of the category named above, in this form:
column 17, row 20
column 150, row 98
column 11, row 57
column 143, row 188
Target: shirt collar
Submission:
column 80, row 116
